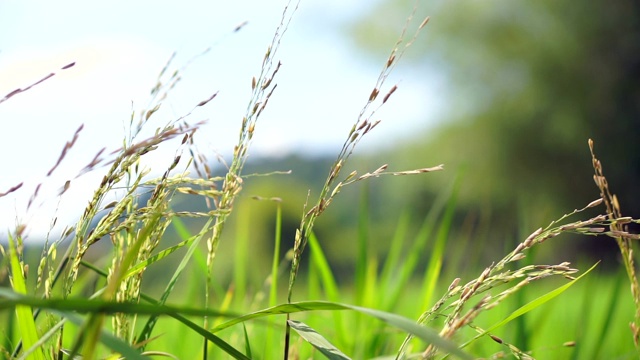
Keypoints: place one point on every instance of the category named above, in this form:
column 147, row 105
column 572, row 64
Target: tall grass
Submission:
column 79, row 307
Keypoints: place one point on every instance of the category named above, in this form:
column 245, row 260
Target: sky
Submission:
column 119, row 49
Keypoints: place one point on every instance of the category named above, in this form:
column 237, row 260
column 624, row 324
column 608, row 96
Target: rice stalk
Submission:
column 363, row 125
column 262, row 90
column 360, row 128
column 618, row 230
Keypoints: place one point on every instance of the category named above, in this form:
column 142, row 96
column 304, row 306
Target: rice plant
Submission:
column 85, row 307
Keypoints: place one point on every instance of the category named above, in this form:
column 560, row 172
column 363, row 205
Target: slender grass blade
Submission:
column 318, row 341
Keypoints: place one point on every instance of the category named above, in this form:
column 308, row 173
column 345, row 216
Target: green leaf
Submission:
column 26, row 323
column 68, row 307
column 109, row 340
column 241, row 244
column 608, row 310
column 223, row 345
column 393, row 258
column 11, row 299
column 329, row 283
column 400, row 322
column 247, row 343
column 273, row 291
column 192, row 242
column 139, row 267
column 318, row 341
column 326, row 275
column 395, row 282
column 363, row 246
column 432, row 273
column 410, row 326
column 531, row 305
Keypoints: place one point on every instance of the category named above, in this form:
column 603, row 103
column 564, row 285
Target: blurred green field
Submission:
column 592, row 316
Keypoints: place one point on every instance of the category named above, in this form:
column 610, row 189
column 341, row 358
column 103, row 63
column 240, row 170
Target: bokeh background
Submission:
column 505, row 94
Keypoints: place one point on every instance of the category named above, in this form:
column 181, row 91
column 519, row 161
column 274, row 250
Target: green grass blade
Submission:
column 273, row 291
column 282, row 309
column 141, row 266
column 531, row 305
column 609, row 310
column 90, row 332
column 53, row 330
column 396, row 287
column 427, row 334
column 328, row 280
column 363, row 247
column 432, row 273
column 145, row 333
column 112, row 342
column 10, row 299
column 522, row 338
column 131, row 255
column 313, row 281
column 318, row 341
column 410, row 326
column 273, row 286
column 241, row 242
column 247, row 343
column 326, row 275
column 584, row 324
column 202, row 331
column 26, row 323
column 223, row 345
column 9, row 329
column 68, row 307
column 180, row 228
column 365, row 277
column 129, row 352
column 392, row 261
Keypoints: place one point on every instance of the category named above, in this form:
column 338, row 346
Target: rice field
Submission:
column 166, row 283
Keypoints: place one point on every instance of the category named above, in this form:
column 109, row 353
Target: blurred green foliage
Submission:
column 525, row 85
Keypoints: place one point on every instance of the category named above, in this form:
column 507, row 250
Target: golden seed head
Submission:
column 518, row 256
column 204, row 102
column 454, row 284
column 386, row 97
column 391, row 58
column 267, row 83
column 255, row 108
column 424, row 22
column 595, row 203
